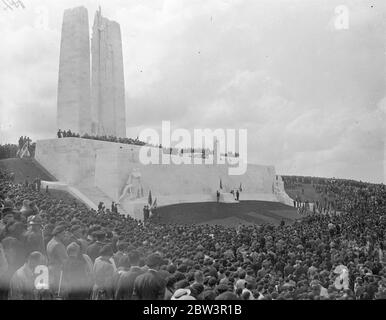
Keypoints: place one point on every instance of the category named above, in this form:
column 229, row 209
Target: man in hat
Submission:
column 8, row 219
column 8, row 206
column 122, row 251
column 27, row 209
column 22, row 285
column 154, row 262
column 125, row 286
column 77, row 280
column 150, row 286
column 78, row 236
column 104, row 275
column 47, row 231
column 182, row 294
column 57, row 256
column 94, row 249
column 34, row 236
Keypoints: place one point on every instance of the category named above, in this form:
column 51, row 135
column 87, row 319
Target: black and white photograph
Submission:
column 201, row 150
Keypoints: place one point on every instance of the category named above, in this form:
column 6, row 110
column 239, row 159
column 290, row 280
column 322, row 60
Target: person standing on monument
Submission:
column 146, row 213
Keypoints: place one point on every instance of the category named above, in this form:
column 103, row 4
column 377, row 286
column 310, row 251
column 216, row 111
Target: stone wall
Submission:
column 171, row 180
column 107, row 167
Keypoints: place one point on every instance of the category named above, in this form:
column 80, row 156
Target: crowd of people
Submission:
column 136, row 141
column 8, row 151
column 333, row 195
column 23, row 140
column 110, row 138
column 102, row 254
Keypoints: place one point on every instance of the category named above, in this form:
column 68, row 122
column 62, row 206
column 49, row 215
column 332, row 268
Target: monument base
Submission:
column 107, row 171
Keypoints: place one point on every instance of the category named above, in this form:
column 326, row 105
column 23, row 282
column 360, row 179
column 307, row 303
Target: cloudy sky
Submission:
column 311, row 95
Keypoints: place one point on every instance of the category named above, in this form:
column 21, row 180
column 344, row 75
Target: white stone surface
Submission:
column 172, row 184
column 70, row 160
column 74, row 93
column 112, row 171
column 280, row 193
column 108, row 85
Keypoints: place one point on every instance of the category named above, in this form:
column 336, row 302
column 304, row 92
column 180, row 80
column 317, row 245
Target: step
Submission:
column 95, row 195
column 227, row 198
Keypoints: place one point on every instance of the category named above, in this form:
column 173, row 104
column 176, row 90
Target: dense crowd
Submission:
column 8, row 151
column 105, row 255
column 136, row 141
column 335, row 195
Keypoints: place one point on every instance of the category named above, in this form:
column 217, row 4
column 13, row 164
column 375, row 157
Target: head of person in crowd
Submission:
column 134, row 258
column 196, row 290
column 35, row 223
column 73, row 250
column 99, row 236
column 227, row 296
column 199, row 277
column 149, row 286
column 124, row 263
column 8, row 217
column 182, row 294
column 154, row 261
column 59, row 233
column 106, row 252
column 77, row 231
column 16, row 230
column 35, row 259
column 8, row 207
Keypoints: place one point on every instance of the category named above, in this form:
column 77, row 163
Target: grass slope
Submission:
column 228, row 214
column 24, row 168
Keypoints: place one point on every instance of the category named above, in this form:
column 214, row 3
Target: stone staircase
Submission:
column 226, row 197
column 95, row 195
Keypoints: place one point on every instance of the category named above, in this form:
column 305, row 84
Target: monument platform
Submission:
column 104, row 171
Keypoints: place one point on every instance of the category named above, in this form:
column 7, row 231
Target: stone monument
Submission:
column 93, row 104
column 108, row 85
column 74, row 100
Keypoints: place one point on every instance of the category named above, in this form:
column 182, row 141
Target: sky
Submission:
column 305, row 79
